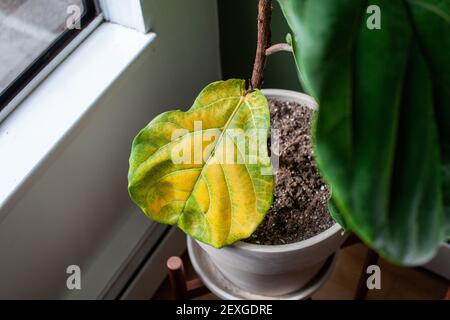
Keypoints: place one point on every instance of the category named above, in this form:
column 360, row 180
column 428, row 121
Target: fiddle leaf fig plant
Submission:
column 382, row 132
column 195, row 170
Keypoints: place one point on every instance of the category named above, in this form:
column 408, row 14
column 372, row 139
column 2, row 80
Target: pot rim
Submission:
column 335, row 228
column 310, row 102
column 290, row 94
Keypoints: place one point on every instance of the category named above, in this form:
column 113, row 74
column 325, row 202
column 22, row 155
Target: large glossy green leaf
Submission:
column 382, row 131
column 431, row 20
column 211, row 197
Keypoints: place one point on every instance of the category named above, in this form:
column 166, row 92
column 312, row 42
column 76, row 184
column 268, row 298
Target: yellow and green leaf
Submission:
column 215, row 201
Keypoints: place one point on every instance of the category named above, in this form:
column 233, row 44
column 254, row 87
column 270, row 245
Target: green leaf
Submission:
column 336, row 215
column 382, row 132
column 209, row 196
column 431, row 20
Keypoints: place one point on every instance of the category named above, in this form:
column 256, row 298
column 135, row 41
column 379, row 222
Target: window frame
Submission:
column 91, row 11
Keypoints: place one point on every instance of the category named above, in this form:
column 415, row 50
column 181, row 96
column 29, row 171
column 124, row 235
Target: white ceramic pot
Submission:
column 279, row 269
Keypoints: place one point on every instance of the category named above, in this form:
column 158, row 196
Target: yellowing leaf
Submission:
column 188, row 169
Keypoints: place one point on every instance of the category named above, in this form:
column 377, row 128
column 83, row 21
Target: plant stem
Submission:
column 264, row 17
column 277, row 48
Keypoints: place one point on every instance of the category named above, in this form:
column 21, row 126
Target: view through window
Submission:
column 28, row 29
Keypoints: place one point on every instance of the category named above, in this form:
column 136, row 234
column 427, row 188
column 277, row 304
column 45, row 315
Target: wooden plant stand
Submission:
column 189, row 289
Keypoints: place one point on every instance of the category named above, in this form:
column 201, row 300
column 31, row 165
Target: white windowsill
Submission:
column 40, row 122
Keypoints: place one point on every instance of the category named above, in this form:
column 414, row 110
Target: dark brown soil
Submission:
column 299, row 210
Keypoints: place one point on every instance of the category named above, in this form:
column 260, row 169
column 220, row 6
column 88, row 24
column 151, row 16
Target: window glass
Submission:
column 27, row 29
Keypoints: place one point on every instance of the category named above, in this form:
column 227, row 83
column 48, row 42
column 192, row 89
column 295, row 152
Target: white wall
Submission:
column 72, row 207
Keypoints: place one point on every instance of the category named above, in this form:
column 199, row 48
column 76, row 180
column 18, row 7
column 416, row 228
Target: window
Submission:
column 32, row 33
